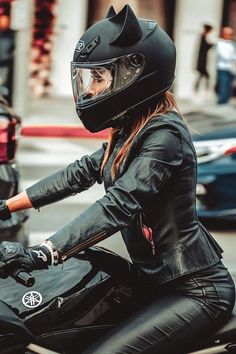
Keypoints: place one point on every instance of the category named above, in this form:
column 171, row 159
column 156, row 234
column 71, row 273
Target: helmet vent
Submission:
column 90, row 47
column 130, row 32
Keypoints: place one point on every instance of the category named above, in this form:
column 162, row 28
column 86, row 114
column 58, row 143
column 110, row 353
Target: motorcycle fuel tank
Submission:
column 77, row 292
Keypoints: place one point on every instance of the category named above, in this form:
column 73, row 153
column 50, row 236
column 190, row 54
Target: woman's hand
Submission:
column 14, row 255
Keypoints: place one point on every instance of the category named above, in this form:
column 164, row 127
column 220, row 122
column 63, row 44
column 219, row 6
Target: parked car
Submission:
column 214, row 138
column 14, row 229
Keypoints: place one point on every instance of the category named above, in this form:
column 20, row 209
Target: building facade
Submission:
column 182, row 19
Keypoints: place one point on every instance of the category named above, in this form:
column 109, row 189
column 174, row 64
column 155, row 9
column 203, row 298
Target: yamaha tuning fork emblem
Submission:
column 32, row 299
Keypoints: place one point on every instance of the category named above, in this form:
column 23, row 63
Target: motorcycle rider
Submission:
column 121, row 72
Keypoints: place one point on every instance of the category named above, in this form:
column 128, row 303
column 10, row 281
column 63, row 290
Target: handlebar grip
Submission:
column 23, row 277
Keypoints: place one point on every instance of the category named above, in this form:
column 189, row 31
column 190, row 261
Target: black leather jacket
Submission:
column 152, row 202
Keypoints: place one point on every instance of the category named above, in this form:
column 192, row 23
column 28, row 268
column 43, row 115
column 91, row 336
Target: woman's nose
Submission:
column 91, row 90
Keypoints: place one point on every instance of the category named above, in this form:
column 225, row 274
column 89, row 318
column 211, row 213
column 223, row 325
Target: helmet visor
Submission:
column 91, row 81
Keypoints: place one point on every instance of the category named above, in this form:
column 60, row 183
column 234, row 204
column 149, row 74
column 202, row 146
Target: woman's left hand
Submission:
column 14, row 255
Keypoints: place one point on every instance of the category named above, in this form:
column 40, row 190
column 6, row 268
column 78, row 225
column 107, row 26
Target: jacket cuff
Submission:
column 5, row 213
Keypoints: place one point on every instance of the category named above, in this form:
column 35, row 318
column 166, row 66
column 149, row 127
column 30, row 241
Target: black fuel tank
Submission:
column 77, row 293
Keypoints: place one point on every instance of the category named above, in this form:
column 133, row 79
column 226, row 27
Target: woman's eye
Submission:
column 98, row 79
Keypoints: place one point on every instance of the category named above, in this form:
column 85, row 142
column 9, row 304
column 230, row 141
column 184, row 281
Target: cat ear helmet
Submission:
column 119, row 63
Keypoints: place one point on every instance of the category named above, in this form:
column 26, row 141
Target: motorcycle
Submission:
column 59, row 311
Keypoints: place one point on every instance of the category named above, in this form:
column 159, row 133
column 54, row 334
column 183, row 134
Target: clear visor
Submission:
column 92, row 81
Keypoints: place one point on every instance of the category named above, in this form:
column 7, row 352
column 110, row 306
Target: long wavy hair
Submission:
column 134, row 124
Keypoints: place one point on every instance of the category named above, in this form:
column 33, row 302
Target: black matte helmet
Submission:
column 119, row 63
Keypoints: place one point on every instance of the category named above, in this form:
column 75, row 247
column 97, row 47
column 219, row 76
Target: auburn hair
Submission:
column 134, row 124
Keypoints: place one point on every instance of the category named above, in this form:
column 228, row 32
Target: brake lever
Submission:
column 23, row 277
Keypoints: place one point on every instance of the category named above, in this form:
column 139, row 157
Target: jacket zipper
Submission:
column 91, row 241
column 147, row 233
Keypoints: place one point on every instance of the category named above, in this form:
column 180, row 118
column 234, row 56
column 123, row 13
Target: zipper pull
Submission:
column 153, row 247
column 63, row 258
column 150, row 238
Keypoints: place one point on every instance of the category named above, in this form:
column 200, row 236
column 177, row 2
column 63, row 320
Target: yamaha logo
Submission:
column 80, row 46
column 32, row 299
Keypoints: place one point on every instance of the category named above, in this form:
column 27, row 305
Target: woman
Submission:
column 121, row 71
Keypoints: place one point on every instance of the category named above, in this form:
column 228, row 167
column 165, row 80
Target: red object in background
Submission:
column 8, row 139
column 44, row 17
column 5, row 7
column 42, row 44
column 62, row 131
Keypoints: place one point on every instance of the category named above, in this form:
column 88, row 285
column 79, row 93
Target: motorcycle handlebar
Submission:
column 23, row 277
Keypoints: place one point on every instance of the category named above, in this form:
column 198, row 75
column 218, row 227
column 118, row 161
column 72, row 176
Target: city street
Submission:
column 39, row 157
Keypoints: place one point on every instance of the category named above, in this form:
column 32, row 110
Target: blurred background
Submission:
column 42, row 35
column 37, row 40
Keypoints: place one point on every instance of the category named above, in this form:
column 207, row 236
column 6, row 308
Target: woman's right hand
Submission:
column 5, row 213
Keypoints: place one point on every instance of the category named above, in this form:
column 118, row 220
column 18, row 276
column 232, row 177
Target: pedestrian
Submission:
column 205, row 44
column 226, row 65
column 122, row 70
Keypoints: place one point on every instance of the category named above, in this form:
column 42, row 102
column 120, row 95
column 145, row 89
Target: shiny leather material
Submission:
column 179, row 319
column 154, row 187
column 76, row 178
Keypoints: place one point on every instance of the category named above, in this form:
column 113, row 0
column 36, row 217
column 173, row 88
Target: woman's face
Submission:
column 100, row 82
column 92, row 81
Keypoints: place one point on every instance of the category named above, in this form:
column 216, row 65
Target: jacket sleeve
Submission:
column 73, row 179
column 160, row 155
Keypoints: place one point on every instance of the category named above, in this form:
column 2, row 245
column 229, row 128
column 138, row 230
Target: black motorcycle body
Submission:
column 65, row 310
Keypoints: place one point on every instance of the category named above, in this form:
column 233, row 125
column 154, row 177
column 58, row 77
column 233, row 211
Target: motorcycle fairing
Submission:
column 12, row 330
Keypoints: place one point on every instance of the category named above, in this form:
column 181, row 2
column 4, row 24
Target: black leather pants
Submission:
column 183, row 312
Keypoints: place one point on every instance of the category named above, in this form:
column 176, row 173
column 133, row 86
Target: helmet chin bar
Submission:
column 118, row 116
column 107, row 114
column 114, row 122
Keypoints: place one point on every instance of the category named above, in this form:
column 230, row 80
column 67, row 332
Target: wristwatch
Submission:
column 5, row 213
